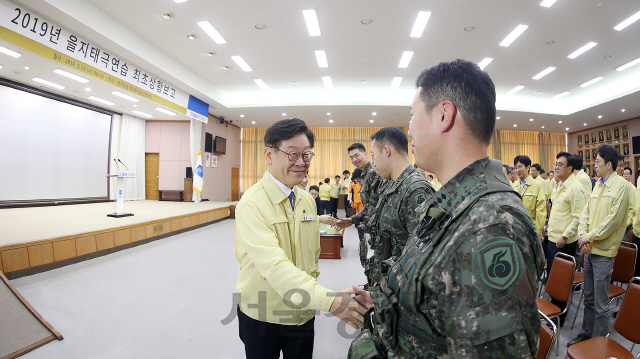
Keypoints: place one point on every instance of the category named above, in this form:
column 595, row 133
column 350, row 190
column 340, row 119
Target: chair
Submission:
column 548, row 336
column 623, row 268
column 558, row 287
column 577, row 280
column 626, row 324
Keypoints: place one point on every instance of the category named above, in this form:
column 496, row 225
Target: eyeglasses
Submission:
column 558, row 164
column 294, row 156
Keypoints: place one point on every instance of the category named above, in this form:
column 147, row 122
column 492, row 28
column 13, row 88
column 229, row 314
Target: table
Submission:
column 330, row 242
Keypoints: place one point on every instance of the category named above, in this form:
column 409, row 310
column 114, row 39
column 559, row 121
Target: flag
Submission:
column 197, row 175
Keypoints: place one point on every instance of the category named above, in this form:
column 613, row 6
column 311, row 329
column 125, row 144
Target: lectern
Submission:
column 119, row 200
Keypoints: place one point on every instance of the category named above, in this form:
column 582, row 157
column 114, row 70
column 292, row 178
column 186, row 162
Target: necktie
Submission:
column 291, row 199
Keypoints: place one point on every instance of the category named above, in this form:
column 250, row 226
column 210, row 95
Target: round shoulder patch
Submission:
column 497, row 263
column 418, row 198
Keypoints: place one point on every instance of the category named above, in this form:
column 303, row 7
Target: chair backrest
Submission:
column 561, row 277
column 548, row 335
column 582, row 261
column 629, row 316
column 625, row 263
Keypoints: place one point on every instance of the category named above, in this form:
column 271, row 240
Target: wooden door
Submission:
column 151, row 172
column 235, row 184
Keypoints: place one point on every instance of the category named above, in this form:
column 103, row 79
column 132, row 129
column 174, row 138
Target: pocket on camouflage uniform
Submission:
column 363, row 347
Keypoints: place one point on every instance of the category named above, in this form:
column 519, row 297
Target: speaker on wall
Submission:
column 189, row 172
column 208, row 142
column 635, row 142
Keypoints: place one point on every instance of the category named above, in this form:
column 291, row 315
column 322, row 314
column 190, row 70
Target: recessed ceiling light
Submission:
column 321, row 57
column 585, row 124
column 550, row 42
column 559, row 121
column 311, row 19
column 179, row 1
column 294, row 82
column 366, row 21
column 486, row 61
column 260, row 26
column 628, row 21
column 362, row 82
column 538, row 92
column 330, row 121
column 543, row 73
column 71, row 76
column 607, row 57
column 629, row 64
column 125, row 96
column 497, row 118
column 144, row 114
column 513, row 35
column 514, row 90
column 212, row 32
column 469, row 28
column 210, row 54
column 1, row 66
column 87, row 89
column 567, row 128
column 240, row 61
column 420, row 24
column 284, row 114
column 396, row 82
column 261, row 83
column 48, row 83
column 406, row 58
column 623, row 110
column 542, row 127
column 530, row 120
column 374, row 113
column 600, row 116
column 167, row 15
column 515, row 125
column 253, row 122
column 326, row 80
column 166, row 112
column 582, row 50
column 26, row 67
column 560, row 95
column 591, row 82
column 135, row 105
column 547, row 3
column 241, row 115
column 328, row 113
column 11, row 53
column 225, row 68
column 98, row 99
column 371, row 121
column 191, row 37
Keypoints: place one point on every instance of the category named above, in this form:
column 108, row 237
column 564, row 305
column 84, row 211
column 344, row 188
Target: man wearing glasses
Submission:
column 278, row 246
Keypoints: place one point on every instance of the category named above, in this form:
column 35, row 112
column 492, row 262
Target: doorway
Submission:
column 151, row 175
column 235, row 184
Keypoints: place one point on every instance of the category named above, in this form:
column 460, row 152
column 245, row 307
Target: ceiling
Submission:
column 362, row 59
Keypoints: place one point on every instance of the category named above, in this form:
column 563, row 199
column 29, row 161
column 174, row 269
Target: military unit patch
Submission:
column 419, row 198
column 497, row 264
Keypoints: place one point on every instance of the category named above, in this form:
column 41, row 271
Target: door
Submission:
column 235, row 184
column 151, row 171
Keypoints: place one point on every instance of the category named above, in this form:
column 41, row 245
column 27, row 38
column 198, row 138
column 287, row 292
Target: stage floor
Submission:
column 25, row 225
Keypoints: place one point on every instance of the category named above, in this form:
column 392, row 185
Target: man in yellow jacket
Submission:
column 531, row 193
column 602, row 224
column 278, row 245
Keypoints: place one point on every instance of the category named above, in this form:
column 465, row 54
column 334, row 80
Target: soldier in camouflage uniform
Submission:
column 372, row 186
column 466, row 283
column 394, row 217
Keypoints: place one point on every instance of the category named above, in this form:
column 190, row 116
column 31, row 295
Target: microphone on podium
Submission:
column 117, row 165
column 125, row 166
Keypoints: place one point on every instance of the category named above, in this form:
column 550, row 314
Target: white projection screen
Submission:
column 51, row 150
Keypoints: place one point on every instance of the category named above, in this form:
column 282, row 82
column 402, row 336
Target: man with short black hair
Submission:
column 626, row 174
column 335, row 193
column 536, row 174
column 344, row 187
column 531, row 192
column 277, row 245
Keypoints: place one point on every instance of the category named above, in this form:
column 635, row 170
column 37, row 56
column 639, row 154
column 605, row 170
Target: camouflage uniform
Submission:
column 466, row 283
column 369, row 194
column 395, row 218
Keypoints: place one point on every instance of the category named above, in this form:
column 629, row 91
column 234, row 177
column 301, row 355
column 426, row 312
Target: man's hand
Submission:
column 560, row 243
column 327, row 219
column 362, row 297
column 344, row 222
column 586, row 249
column 347, row 309
column 582, row 240
column 350, row 202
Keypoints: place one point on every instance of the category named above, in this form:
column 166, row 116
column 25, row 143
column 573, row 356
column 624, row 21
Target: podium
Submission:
column 119, row 200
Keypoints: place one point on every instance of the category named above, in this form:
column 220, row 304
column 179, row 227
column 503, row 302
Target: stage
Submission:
column 37, row 238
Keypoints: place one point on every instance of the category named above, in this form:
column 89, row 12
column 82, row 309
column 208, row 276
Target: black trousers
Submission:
column 334, row 207
column 346, row 201
column 264, row 340
column 326, row 207
column 551, row 251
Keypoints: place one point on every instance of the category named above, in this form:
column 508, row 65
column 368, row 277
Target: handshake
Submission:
column 351, row 309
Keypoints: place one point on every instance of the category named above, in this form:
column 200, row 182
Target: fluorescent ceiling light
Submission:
column 628, row 21
column 406, row 58
column 179, row 1
column 513, row 35
column 543, row 73
column 124, row 96
column 48, row 83
column 591, row 82
column 11, row 53
column 312, row 22
column 629, row 64
column 71, row 76
column 560, row 95
column 420, row 24
column 141, row 113
column 98, row 99
column 396, row 82
column 215, row 35
column 167, row 112
column 581, row 50
column 486, row 61
column 261, row 84
column 240, row 61
column 514, row 90
column 328, row 84
column 322, row 59
column 547, row 3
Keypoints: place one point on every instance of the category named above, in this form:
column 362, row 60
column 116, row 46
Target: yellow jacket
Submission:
column 345, row 185
column 278, row 251
column 516, row 185
column 325, row 192
column 335, row 189
column 585, row 180
column 632, row 204
column 567, row 203
column 534, row 201
column 636, row 219
column 605, row 214
column 544, row 185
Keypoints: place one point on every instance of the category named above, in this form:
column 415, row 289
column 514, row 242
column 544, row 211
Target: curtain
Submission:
column 195, row 140
column 550, row 145
column 131, row 149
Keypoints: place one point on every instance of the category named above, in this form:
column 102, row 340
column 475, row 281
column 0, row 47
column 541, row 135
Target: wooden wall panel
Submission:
column 15, row 259
column 105, row 241
column 186, row 222
column 64, row 249
column 40, row 254
column 204, row 218
column 85, row 245
column 166, row 227
column 176, row 224
column 138, row 233
column 195, row 220
column 210, row 216
column 122, row 236
column 1, row 269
